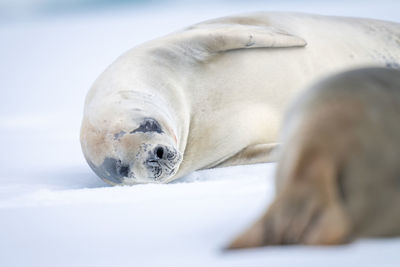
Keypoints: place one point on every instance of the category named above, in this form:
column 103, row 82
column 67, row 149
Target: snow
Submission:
column 55, row 212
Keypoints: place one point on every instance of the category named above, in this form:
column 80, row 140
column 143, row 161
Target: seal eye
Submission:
column 148, row 125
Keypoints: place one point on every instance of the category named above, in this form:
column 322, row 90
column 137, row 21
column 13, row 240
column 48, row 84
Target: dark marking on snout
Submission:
column 148, row 125
column 111, row 170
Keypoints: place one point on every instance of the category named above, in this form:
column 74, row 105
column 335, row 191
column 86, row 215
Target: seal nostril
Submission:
column 159, row 152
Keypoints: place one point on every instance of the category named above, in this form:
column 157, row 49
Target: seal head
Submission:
column 135, row 148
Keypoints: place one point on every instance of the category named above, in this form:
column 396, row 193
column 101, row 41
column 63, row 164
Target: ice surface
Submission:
column 55, row 212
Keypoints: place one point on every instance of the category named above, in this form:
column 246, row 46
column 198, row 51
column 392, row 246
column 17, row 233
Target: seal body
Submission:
column 213, row 94
column 338, row 174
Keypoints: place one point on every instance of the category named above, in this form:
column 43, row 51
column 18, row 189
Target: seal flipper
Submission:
column 225, row 37
column 205, row 40
column 260, row 153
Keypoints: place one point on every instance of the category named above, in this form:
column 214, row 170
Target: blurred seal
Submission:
column 213, row 94
column 339, row 174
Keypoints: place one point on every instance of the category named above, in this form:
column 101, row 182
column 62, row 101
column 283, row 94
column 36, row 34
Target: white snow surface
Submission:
column 55, row 212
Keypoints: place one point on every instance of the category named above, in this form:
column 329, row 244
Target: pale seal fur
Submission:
column 339, row 174
column 213, row 94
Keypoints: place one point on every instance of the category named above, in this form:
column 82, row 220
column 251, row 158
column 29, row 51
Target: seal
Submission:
column 214, row 93
column 338, row 175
